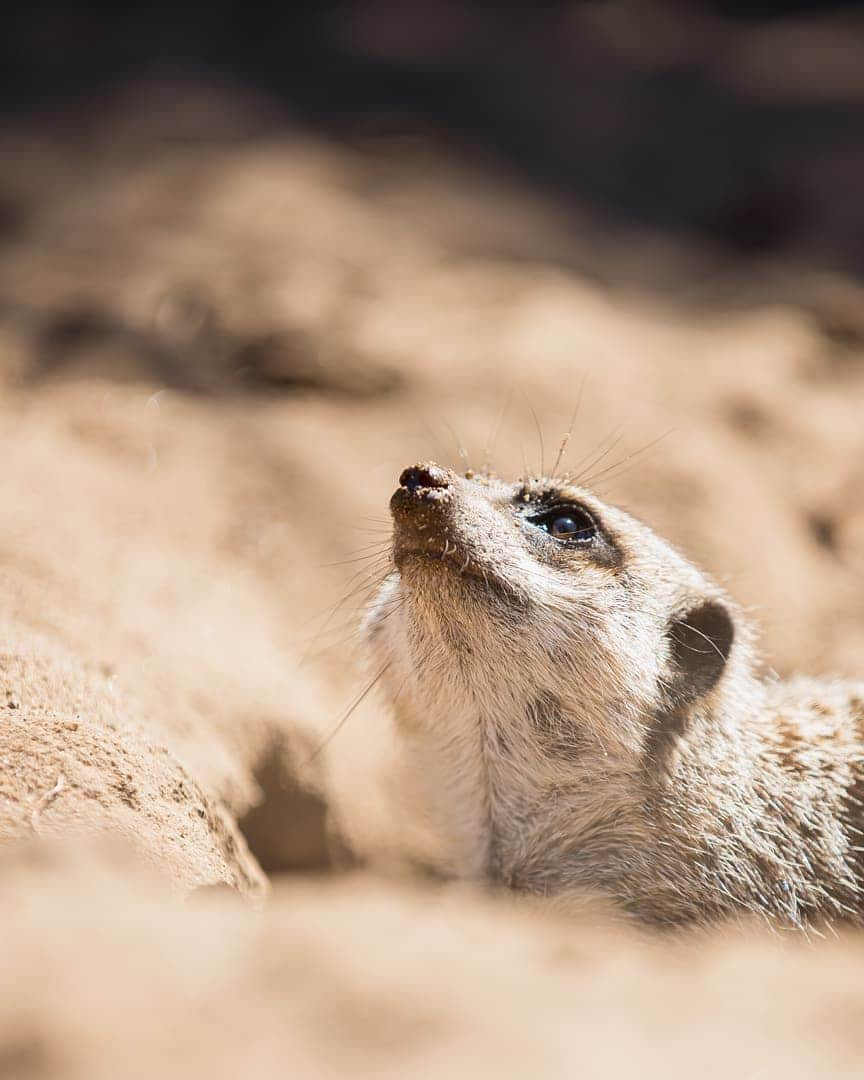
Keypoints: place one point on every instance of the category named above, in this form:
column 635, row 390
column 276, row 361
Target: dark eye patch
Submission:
column 571, row 527
column 569, row 523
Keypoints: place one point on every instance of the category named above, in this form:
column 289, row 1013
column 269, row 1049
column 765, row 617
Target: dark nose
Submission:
column 422, row 507
column 426, row 477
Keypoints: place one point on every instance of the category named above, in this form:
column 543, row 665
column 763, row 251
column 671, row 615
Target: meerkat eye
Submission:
column 568, row 524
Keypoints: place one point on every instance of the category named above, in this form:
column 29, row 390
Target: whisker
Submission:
column 360, row 557
column 493, row 434
column 374, row 577
column 365, row 573
column 705, row 637
column 562, row 449
column 580, row 479
column 460, row 449
column 539, row 434
column 433, row 435
column 350, row 632
column 347, row 631
column 594, row 455
column 351, row 708
column 526, row 472
column 629, row 457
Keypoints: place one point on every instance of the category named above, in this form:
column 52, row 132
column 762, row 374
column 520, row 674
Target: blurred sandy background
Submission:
column 251, row 266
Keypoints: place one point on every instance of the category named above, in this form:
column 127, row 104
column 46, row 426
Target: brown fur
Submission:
column 586, row 715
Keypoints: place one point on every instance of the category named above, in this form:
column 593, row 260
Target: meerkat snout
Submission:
column 580, row 708
column 420, row 511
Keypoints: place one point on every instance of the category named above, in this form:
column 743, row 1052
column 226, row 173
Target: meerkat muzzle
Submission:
column 421, row 512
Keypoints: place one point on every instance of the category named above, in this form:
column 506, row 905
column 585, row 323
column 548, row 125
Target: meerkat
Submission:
column 580, row 709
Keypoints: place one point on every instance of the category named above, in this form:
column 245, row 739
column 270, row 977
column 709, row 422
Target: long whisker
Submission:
column 493, row 434
column 596, row 454
column 562, row 449
column 373, row 553
column 539, row 435
column 705, row 637
column 460, row 449
column 372, row 579
column 437, row 441
column 629, row 457
column 365, row 573
column 353, row 630
column 351, row 708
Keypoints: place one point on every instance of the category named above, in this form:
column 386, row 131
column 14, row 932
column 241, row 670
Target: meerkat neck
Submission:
column 442, row 773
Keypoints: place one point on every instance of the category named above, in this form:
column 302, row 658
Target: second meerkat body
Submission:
column 579, row 710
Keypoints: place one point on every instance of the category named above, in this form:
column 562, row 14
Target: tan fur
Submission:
column 557, row 748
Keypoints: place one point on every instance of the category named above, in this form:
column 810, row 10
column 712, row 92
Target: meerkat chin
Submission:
column 580, row 709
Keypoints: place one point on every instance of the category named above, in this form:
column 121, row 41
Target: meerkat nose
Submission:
column 428, row 476
column 421, row 503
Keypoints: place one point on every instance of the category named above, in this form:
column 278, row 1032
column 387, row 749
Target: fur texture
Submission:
column 584, row 715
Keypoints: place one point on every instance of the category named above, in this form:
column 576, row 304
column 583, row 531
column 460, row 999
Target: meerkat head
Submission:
column 536, row 606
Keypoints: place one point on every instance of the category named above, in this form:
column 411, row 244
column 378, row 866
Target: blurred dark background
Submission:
column 738, row 122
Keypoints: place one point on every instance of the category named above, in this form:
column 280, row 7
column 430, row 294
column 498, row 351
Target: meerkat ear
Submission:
column 700, row 642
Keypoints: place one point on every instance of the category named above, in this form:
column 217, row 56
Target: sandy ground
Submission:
column 216, row 355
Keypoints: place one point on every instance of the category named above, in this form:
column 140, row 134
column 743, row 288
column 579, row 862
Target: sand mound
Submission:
column 75, row 764
column 102, row 976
